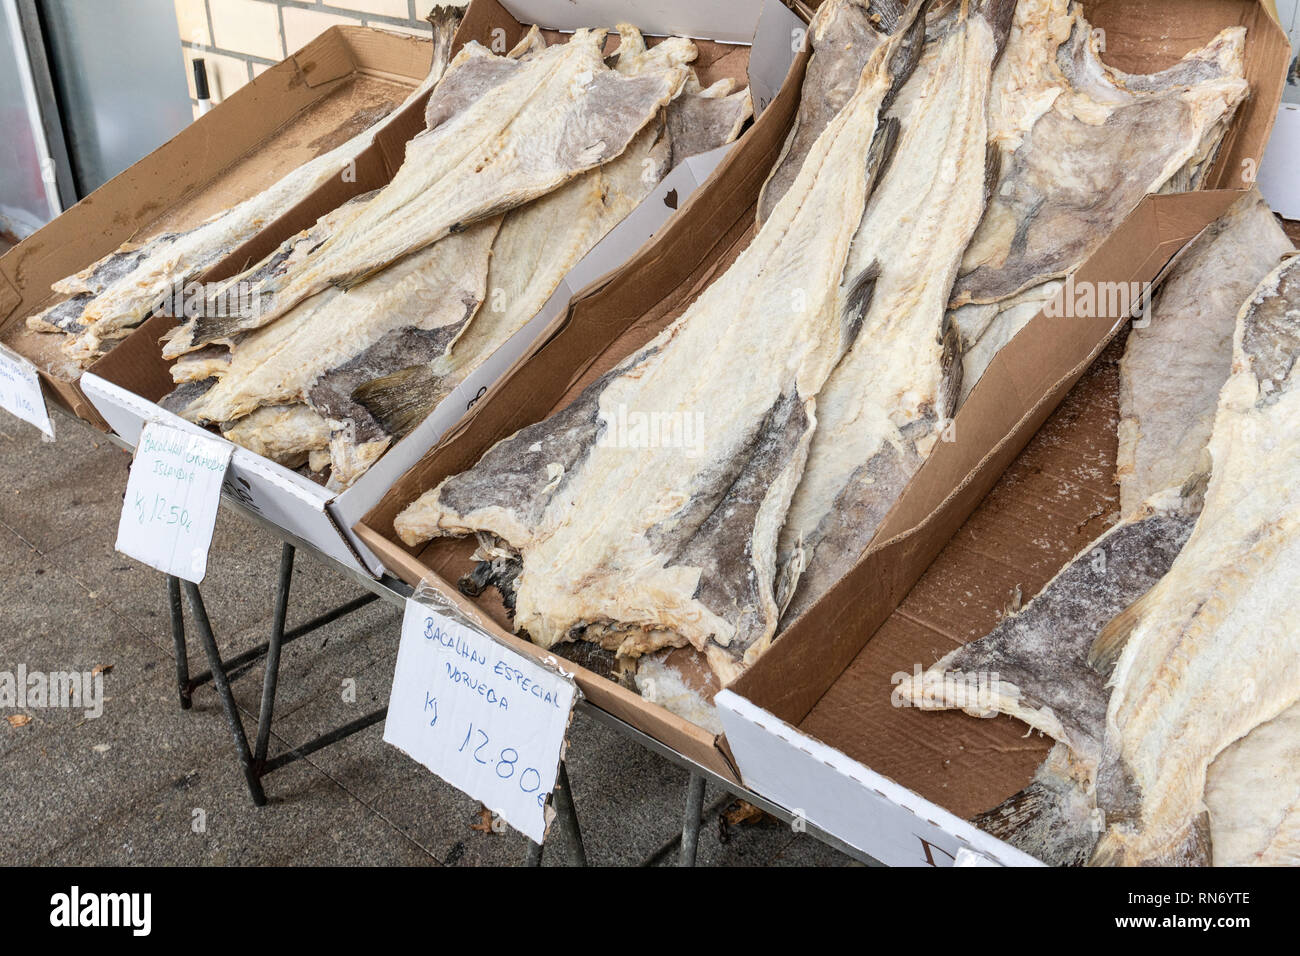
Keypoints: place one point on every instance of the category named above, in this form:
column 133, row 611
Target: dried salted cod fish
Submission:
column 642, row 547
column 1107, row 140
column 122, row 289
column 417, row 306
column 699, row 119
column 559, row 113
column 878, row 411
column 376, row 396
column 1041, row 653
column 634, row 58
column 1174, row 367
column 211, row 362
column 364, row 380
column 985, row 329
column 1027, row 80
column 843, row 35
column 1212, row 650
column 286, row 434
column 704, row 120
column 1082, row 110
column 537, row 246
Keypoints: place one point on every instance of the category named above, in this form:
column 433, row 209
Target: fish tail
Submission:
column 401, row 400
column 1055, row 819
column 444, row 19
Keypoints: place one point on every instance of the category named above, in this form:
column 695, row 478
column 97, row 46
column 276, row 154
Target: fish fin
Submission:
column 1034, row 821
column 1109, row 643
column 950, row 369
column 857, row 299
column 1055, row 819
column 444, row 18
column 881, row 151
column 182, row 396
column 401, row 400
column 531, row 43
column 496, row 568
column 999, row 14
column 910, row 45
column 349, row 282
column 992, row 170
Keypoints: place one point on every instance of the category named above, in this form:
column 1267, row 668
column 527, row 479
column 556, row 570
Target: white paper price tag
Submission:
column 20, row 390
column 171, row 500
column 483, row 717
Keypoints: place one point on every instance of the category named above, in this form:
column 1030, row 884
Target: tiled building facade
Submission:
column 239, row 39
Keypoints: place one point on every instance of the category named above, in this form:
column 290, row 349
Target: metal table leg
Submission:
column 568, row 815
column 694, row 816
column 223, row 690
column 271, row 674
column 178, row 639
column 255, row 762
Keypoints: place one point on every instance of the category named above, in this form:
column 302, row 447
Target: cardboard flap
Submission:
column 374, row 53
column 326, row 59
column 10, row 298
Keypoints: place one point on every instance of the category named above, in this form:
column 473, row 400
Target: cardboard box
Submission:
column 294, row 111
column 900, row 784
column 1016, row 395
column 125, row 385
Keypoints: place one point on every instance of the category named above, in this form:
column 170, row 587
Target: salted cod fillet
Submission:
column 368, row 336
column 474, row 73
column 644, row 547
column 539, row 243
column 1058, row 123
column 1212, row 651
column 1051, row 672
column 1042, row 654
column 557, row 114
column 878, row 411
column 535, row 248
column 419, row 304
column 452, row 94
column 384, row 395
column 1172, row 371
column 1108, row 140
column 118, row 292
column 843, row 37
column 286, row 434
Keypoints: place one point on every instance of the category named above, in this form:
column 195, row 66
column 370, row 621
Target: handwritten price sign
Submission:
column 480, row 715
column 171, row 500
column 20, row 390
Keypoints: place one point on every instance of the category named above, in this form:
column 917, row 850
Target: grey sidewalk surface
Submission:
column 148, row 783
